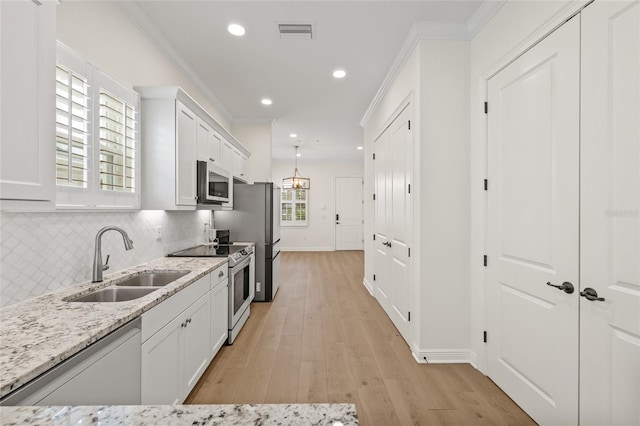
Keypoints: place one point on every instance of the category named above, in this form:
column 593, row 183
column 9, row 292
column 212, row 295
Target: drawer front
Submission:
column 160, row 315
column 219, row 276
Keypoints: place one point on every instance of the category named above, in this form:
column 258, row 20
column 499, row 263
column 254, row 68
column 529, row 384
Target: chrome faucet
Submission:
column 98, row 267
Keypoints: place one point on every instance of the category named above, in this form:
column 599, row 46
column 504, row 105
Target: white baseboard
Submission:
column 368, row 286
column 442, row 356
column 306, row 249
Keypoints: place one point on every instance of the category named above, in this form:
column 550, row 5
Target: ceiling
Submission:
column 361, row 37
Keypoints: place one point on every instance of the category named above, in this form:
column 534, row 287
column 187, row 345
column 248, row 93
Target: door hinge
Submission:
column 484, row 336
column 374, row 277
column 409, row 188
column 409, row 124
column 484, row 260
column 409, row 250
column 486, row 107
column 486, row 184
column 374, row 237
column 374, row 197
column 409, row 317
column 374, row 155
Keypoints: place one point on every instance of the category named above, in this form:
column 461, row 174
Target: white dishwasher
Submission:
column 105, row 373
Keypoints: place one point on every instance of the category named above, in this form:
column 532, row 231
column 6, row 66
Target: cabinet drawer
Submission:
column 219, row 276
column 156, row 318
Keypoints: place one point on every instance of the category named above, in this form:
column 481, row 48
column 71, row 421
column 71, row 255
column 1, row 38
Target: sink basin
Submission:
column 151, row 279
column 114, row 294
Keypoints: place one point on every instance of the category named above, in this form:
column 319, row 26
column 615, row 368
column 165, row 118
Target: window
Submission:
column 293, row 207
column 97, row 137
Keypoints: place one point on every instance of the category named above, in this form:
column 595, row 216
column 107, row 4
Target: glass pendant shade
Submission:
column 296, row 181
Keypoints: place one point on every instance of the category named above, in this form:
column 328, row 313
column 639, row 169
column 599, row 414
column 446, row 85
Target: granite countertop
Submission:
column 38, row 334
column 276, row 414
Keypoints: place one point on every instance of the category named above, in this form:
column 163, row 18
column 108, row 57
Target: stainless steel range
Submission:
column 241, row 277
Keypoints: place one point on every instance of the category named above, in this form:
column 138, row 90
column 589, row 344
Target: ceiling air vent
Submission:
column 296, row 31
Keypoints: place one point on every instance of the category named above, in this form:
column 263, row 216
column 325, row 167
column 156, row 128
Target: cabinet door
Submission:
column 203, row 136
column 609, row 219
column 227, row 156
column 237, row 163
column 186, row 131
column 244, row 166
column 161, row 365
column 27, row 78
column 197, row 332
column 214, row 148
column 219, row 316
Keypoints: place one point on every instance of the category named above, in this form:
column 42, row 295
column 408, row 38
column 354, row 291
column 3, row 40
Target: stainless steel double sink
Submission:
column 131, row 288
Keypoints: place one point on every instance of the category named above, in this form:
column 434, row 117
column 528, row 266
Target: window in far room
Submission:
column 294, row 207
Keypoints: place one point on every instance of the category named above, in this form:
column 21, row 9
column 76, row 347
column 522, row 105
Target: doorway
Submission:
column 348, row 216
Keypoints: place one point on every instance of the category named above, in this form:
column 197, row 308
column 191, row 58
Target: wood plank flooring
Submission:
column 326, row 339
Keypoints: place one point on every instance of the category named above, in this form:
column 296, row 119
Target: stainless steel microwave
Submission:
column 215, row 185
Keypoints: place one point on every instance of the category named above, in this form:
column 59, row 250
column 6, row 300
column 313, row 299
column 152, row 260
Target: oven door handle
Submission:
column 242, row 264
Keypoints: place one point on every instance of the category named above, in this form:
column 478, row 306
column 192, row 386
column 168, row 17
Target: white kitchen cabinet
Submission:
column 176, row 132
column 239, row 165
column 227, row 156
column 208, row 143
column 219, row 296
column 27, row 70
column 186, row 135
column 175, row 355
column 196, row 344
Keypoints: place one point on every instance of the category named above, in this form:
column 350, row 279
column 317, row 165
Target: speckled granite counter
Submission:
column 277, row 414
column 38, row 334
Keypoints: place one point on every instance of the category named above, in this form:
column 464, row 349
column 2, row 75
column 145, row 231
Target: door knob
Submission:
column 566, row 286
column 591, row 295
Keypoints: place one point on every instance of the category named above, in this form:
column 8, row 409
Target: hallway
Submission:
column 325, row 339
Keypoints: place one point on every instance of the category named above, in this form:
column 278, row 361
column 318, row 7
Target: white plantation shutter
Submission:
column 117, row 144
column 72, row 128
column 293, row 207
column 97, row 137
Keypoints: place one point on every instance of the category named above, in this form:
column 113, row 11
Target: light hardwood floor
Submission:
column 326, row 339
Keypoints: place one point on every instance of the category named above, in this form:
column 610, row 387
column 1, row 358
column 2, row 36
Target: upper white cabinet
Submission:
column 239, row 165
column 208, row 143
column 27, row 70
column 177, row 132
column 185, row 147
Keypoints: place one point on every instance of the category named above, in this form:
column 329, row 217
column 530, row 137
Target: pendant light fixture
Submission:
column 296, row 181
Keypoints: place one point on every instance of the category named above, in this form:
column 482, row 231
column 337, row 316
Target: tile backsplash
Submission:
column 44, row 252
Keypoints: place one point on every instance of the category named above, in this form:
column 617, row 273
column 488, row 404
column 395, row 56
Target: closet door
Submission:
column 532, row 237
column 609, row 230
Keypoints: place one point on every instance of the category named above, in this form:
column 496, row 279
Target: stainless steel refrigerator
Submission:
column 256, row 217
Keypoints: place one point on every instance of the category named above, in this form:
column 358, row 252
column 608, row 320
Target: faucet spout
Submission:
column 98, row 267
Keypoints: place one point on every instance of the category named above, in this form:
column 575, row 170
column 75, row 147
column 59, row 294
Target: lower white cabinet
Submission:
column 174, row 358
column 219, row 297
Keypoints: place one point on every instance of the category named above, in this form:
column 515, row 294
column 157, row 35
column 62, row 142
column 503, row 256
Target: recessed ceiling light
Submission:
column 339, row 73
column 298, row 155
column 293, row 135
column 236, row 29
column 359, row 148
column 266, row 101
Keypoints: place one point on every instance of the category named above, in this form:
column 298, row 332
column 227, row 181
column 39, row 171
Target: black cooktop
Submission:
column 205, row 250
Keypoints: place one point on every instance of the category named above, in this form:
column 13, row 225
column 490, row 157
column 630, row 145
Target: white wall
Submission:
column 320, row 234
column 513, row 29
column 435, row 79
column 44, row 252
column 256, row 137
column 100, row 33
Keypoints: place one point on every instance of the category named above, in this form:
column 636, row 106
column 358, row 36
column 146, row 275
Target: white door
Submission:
column 532, row 239
column 400, row 156
column 349, row 213
column 609, row 231
column 393, row 221
column 186, row 131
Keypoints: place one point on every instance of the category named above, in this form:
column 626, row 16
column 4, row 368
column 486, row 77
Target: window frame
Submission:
column 93, row 196
column 294, row 202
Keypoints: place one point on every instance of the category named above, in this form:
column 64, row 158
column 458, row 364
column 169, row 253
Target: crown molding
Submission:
column 133, row 11
column 432, row 31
